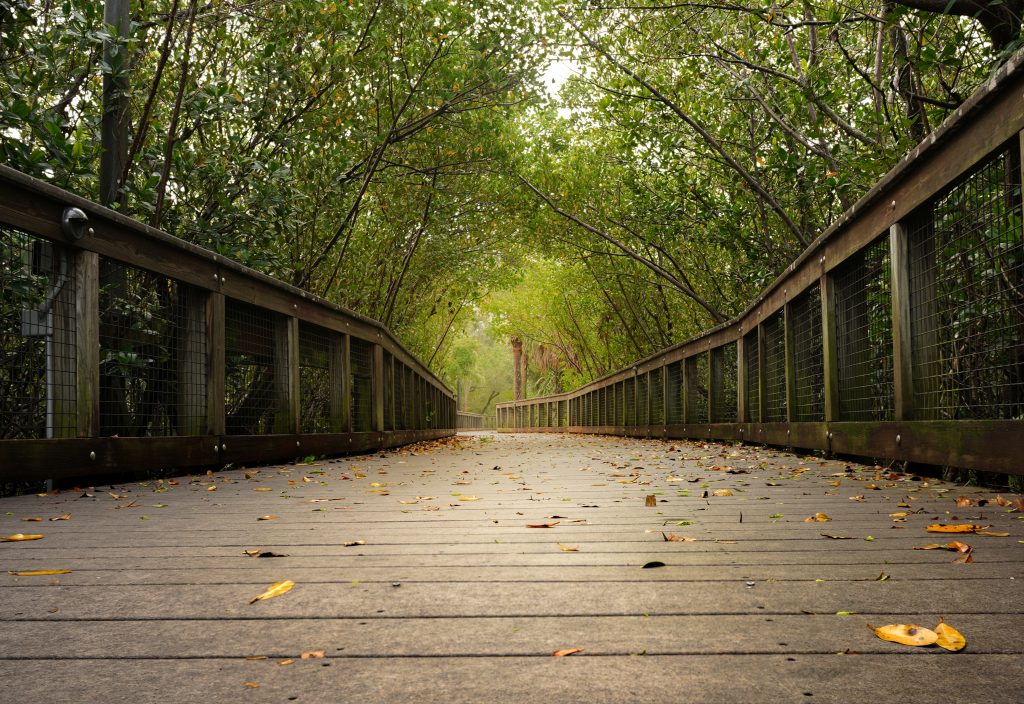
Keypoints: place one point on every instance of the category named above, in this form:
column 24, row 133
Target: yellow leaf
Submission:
column 722, row 492
column 900, row 514
column 19, row 537
column 313, row 655
column 286, row 661
column 211, row 488
column 276, row 589
column 62, row 517
column 817, row 518
column 38, row 573
column 566, row 651
column 949, row 637
column 568, row 548
column 676, row 538
column 957, row 528
column 251, row 685
column 837, row 537
column 906, row 634
column 991, row 533
column 408, row 502
column 469, row 498
column 263, row 488
column 267, row 518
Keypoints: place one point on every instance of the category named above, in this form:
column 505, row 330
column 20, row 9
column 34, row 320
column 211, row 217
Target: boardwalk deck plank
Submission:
column 156, row 607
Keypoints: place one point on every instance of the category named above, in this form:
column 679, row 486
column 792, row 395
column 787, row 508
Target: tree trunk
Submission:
column 517, row 367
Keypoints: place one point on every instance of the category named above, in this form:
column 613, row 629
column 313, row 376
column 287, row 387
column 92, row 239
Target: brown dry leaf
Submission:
column 954, row 528
column 251, row 685
column 408, row 503
column 33, row 519
column 817, row 518
column 263, row 488
column 949, row 637
column 676, row 538
column 566, row 651
column 899, row 514
column 62, row 517
column 425, row 498
column 353, row 543
column 543, row 525
column 38, row 573
column 722, row 492
column 965, row 559
column 956, row 546
column 999, row 500
column 313, row 655
column 991, row 533
column 651, row 501
column 255, row 658
column 212, row 488
column 267, row 518
column 906, row 634
column 17, row 537
column 859, row 497
column 837, row 537
column 963, row 502
column 276, row 589
column 568, row 548
column 286, row 661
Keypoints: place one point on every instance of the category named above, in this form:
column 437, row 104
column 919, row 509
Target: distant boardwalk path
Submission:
column 453, row 599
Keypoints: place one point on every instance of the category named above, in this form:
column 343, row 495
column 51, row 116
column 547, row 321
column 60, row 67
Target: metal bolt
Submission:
column 215, row 277
column 216, row 448
column 295, row 306
column 92, row 455
column 297, row 443
column 898, row 439
column 788, row 431
column 224, row 448
column 92, row 231
column 893, row 204
column 822, row 260
column 830, row 435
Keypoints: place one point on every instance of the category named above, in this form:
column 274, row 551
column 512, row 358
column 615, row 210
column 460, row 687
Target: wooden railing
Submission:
column 899, row 333
column 123, row 348
column 474, row 421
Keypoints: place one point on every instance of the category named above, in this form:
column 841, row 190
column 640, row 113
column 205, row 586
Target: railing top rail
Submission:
column 30, row 204
column 872, row 213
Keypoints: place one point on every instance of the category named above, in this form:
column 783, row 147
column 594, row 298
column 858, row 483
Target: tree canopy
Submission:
column 412, row 160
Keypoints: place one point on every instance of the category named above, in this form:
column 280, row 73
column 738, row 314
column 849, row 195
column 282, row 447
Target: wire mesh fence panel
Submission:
column 643, row 398
column 658, row 395
column 674, row 393
column 542, row 413
column 315, row 378
column 389, row 391
column 563, row 414
column 361, row 374
column 723, row 387
column 152, row 354
column 863, row 319
column 38, row 380
column 808, row 358
column 251, row 391
column 696, row 388
column 629, row 391
column 967, row 297
column 752, row 369
column 775, row 368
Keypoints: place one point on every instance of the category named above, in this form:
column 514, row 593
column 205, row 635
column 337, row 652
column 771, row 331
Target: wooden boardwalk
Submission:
column 458, row 600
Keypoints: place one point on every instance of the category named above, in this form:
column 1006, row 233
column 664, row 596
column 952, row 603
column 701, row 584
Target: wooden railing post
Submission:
column 902, row 350
column 286, row 374
column 78, row 415
column 215, row 364
column 377, row 381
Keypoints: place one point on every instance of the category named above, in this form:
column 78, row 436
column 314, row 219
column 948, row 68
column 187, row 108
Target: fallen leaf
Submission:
column 722, row 492
column 408, row 503
column 214, row 488
column 954, row 528
column 38, row 573
column 817, row 518
column 652, row 564
column 543, row 525
column 999, row 500
column 859, row 497
column 353, row 543
column 286, row 661
column 255, row 658
column 469, row 498
column 313, row 655
column 900, row 514
column 267, row 518
column 263, row 488
column 34, row 519
column 991, row 533
column 62, row 517
column 276, row 589
column 568, row 548
column 676, row 538
column 17, row 537
column 949, row 637
column 566, row 651
column 651, row 500
column 837, row 537
column 251, row 685
column 882, row 577
column 906, row 634
column 956, row 546
column 963, row 502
